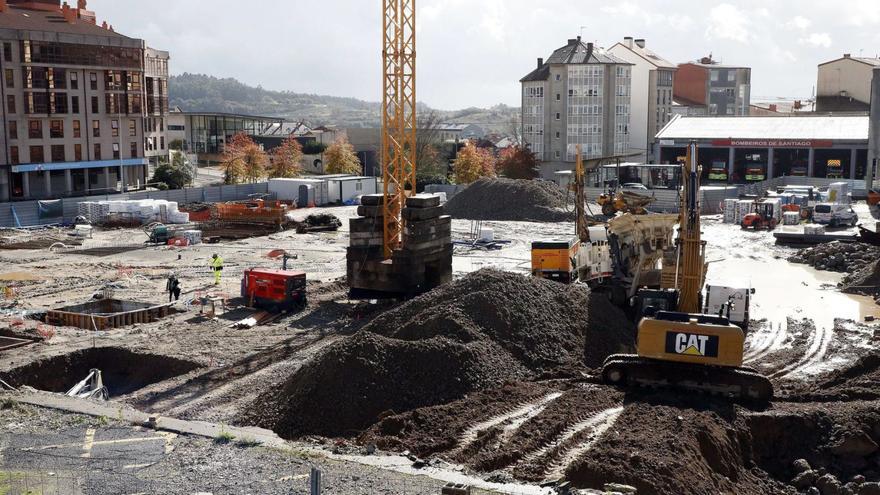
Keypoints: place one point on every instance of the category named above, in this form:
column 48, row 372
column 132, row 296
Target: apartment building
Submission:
column 706, row 87
column 652, row 82
column 579, row 96
column 83, row 106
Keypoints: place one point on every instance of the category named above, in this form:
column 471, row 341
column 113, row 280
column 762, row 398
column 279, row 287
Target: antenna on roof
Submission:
column 582, row 30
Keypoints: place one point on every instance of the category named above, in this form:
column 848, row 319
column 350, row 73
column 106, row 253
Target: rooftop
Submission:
column 875, row 62
column 639, row 49
column 574, row 52
column 53, row 20
column 786, row 126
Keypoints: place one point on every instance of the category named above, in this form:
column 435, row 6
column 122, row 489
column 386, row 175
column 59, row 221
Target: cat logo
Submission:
column 692, row 344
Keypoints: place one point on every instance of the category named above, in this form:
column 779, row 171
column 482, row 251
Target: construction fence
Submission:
column 32, row 213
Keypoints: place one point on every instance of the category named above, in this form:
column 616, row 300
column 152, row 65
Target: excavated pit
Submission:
column 123, row 371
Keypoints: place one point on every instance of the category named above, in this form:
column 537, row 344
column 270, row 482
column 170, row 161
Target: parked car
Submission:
column 835, row 214
column 634, row 186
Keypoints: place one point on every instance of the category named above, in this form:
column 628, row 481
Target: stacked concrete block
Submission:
column 424, row 259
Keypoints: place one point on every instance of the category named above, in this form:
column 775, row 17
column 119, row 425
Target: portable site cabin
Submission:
column 345, row 189
column 316, row 190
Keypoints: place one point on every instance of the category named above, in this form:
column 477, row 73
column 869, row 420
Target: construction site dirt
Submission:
column 491, row 378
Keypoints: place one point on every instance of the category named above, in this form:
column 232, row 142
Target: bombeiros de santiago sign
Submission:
column 774, row 143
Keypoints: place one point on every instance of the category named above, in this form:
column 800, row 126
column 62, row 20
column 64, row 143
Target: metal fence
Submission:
column 26, row 213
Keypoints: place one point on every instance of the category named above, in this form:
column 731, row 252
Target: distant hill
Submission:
column 203, row 93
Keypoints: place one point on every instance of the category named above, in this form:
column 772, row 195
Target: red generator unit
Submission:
column 274, row 290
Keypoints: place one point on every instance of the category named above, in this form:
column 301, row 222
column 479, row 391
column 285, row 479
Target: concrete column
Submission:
column 874, row 134
column 811, row 162
column 47, row 178
column 122, row 175
column 26, row 184
column 852, row 163
column 68, row 181
column 106, row 180
column 731, row 155
column 770, row 156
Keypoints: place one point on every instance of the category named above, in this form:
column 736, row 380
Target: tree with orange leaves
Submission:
column 286, row 159
column 473, row 163
column 243, row 159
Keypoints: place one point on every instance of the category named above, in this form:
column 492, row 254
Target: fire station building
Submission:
column 738, row 150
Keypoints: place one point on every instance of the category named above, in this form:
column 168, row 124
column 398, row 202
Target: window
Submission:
column 557, row 155
column 93, row 81
column 57, row 152
column 10, row 104
column 13, row 155
column 114, row 128
column 116, row 150
column 56, row 128
column 57, row 78
column 35, row 129
column 557, row 134
column 161, row 125
column 162, row 142
column 7, row 52
column 97, row 151
column 74, row 104
column 13, row 129
column 134, row 149
column 36, row 103
column 74, row 80
column 134, row 81
column 10, row 78
column 36, row 154
column 58, row 103
column 558, row 116
column 95, row 105
column 96, row 128
column 558, row 97
column 713, row 75
column 77, row 132
column 731, row 75
column 132, row 128
column 78, row 152
column 558, row 77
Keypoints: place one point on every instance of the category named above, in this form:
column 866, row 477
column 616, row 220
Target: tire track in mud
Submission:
column 511, row 421
column 557, row 454
column 819, row 340
column 770, row 341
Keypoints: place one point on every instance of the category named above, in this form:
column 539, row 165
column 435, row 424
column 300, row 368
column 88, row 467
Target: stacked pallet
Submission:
column 424, row 259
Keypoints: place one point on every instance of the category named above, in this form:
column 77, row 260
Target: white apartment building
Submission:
column 580, row 95
column 652, row 80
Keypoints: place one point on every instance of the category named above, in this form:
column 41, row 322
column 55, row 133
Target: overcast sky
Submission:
column 473, row 52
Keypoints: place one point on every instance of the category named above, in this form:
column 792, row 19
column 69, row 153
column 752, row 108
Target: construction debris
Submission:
column 838, row 256
column 319, row 222
column 512, row 199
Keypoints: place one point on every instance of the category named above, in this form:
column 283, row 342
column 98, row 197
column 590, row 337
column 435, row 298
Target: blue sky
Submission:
column 472, row 52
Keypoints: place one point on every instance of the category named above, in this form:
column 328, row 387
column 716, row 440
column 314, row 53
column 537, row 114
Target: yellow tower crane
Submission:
column 398, row 115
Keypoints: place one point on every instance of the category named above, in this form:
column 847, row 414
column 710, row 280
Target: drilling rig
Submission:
column 683, row 348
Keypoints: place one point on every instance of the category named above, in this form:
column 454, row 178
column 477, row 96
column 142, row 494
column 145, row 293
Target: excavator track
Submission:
column 737, row 383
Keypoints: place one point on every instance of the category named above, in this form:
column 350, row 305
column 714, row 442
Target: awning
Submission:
column 43, row 167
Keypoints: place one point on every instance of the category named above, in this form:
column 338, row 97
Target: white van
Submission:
column 835, row 214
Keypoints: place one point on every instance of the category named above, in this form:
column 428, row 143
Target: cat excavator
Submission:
column 677, row 345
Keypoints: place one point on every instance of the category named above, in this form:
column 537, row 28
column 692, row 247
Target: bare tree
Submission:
column 428, row 159
column 514, row 129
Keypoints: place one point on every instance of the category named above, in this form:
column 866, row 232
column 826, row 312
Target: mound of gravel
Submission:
column 865, row 281
column 511, row 199
column 838, row 256
column 481, row 331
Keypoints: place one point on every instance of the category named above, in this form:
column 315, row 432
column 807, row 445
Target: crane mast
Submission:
column 398, row 115
column 691, row 248
column 583, row 231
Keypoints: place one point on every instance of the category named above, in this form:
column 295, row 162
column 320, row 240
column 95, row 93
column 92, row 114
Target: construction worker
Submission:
column 173, row 287
column 217, row 266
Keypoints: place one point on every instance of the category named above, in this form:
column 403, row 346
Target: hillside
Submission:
column 203, row 93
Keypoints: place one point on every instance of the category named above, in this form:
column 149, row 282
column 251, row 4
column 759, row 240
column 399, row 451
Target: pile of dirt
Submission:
column 865, row 281
column 856, row 381
column 513, row 200
column 838, row 256
column 486, row 329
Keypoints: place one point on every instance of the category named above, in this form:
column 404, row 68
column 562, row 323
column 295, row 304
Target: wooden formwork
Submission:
column 83, row 316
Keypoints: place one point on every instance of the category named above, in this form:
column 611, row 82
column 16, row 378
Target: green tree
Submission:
column 340, row 158
column 286, row 159
column 173, row 175
column 473, row 163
